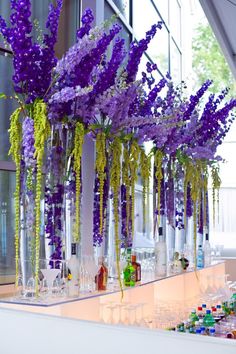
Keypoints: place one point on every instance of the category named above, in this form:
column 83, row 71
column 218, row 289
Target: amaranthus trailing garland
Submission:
column 115, row 173
column 145, row 170
column 101, row 163
column 158, row 158
column 15, row 151
column 126, row 192
column 77, row 155
column 133, row 165
column 216, row 183
column 41, row 133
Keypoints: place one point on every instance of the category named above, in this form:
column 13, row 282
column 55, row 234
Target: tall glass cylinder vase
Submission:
column 58, row 179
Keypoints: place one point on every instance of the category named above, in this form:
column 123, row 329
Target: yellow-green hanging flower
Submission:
column 126, row 182
column 15, row 134
column 101, row 162
column 77, row 154
column 134, row 164
column 115, row 178
column 41, row 133
column 216, row 183
column 158, row 159
column 145, row 170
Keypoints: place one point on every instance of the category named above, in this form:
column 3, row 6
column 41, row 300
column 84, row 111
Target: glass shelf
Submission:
column 57, row 300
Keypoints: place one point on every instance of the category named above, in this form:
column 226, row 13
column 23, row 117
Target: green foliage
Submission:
column 209, row 61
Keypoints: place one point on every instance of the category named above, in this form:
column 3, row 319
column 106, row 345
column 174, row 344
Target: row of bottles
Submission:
column 180, row 262
column 211, row 322
column 131, row 272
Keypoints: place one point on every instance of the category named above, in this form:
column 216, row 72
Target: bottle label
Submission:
column 138, row 274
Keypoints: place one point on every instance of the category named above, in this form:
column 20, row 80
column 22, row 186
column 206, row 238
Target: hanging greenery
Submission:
column 115, row 178
column 145, row 170
column 158, row 159
column 100, row 165
column 134, row 164
column 41, row 133
column 126, row 182
column 77, row 155
column 216, row 183
column 15, row 151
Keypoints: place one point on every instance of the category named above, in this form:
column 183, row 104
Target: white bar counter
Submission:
column 73, row 327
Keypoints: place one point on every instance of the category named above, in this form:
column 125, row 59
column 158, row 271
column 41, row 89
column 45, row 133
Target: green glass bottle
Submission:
column 226, row 308
column 129, row 271
column 233, row 304
column 208, row 320
column 193, row 317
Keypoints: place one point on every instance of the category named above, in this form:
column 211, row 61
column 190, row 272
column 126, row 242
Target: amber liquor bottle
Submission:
column 137, row 268
column 102, row 275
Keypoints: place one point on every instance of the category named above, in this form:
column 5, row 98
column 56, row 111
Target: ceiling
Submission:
column 221, row 15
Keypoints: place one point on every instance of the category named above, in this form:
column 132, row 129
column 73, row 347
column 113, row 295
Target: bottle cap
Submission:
column 213, row 309
column 133, row 258
column 212, row 330
column 199, row 308
column 203, row 328
column 128, row 250
column 218, row 306
column 204, row 306
column 208, row 312
column 200, row 320
column 101, row 259
column 198, row 331
column 73, row 248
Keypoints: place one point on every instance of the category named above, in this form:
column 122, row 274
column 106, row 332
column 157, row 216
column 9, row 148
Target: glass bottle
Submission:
column 200, row 257
column 137, row 267
column 73, row 272
column 208, row 319
column 102, row 275
column 212, row 332
column 207, row 251
column 129, row 271
column 184, row 262
column 193, row 317
column 220, row 312
column 200, row 313
column 161, row 254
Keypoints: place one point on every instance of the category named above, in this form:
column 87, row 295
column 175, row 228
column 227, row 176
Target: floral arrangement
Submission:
column 88, row 92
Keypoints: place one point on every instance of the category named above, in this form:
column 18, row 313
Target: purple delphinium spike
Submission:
column 136, row 51
column 86, row 21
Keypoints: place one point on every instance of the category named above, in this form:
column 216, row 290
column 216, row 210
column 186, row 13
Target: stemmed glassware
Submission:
column 49, row 275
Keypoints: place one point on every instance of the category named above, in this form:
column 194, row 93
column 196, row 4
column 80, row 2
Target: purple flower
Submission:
column 86, row 20
column 136, row 52
column 32, row 62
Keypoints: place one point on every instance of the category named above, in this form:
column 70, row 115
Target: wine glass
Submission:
column 49, row 274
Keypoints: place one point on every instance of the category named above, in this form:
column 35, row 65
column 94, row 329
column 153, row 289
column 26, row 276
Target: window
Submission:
column 165, row 51
column 175, row 20
column 163, row 7
column 222, row 232
column 175, row 68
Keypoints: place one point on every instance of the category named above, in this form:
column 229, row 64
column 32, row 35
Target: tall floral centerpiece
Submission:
column 29, row 125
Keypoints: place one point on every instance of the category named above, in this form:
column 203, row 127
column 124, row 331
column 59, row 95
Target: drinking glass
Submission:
column 49, row 274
